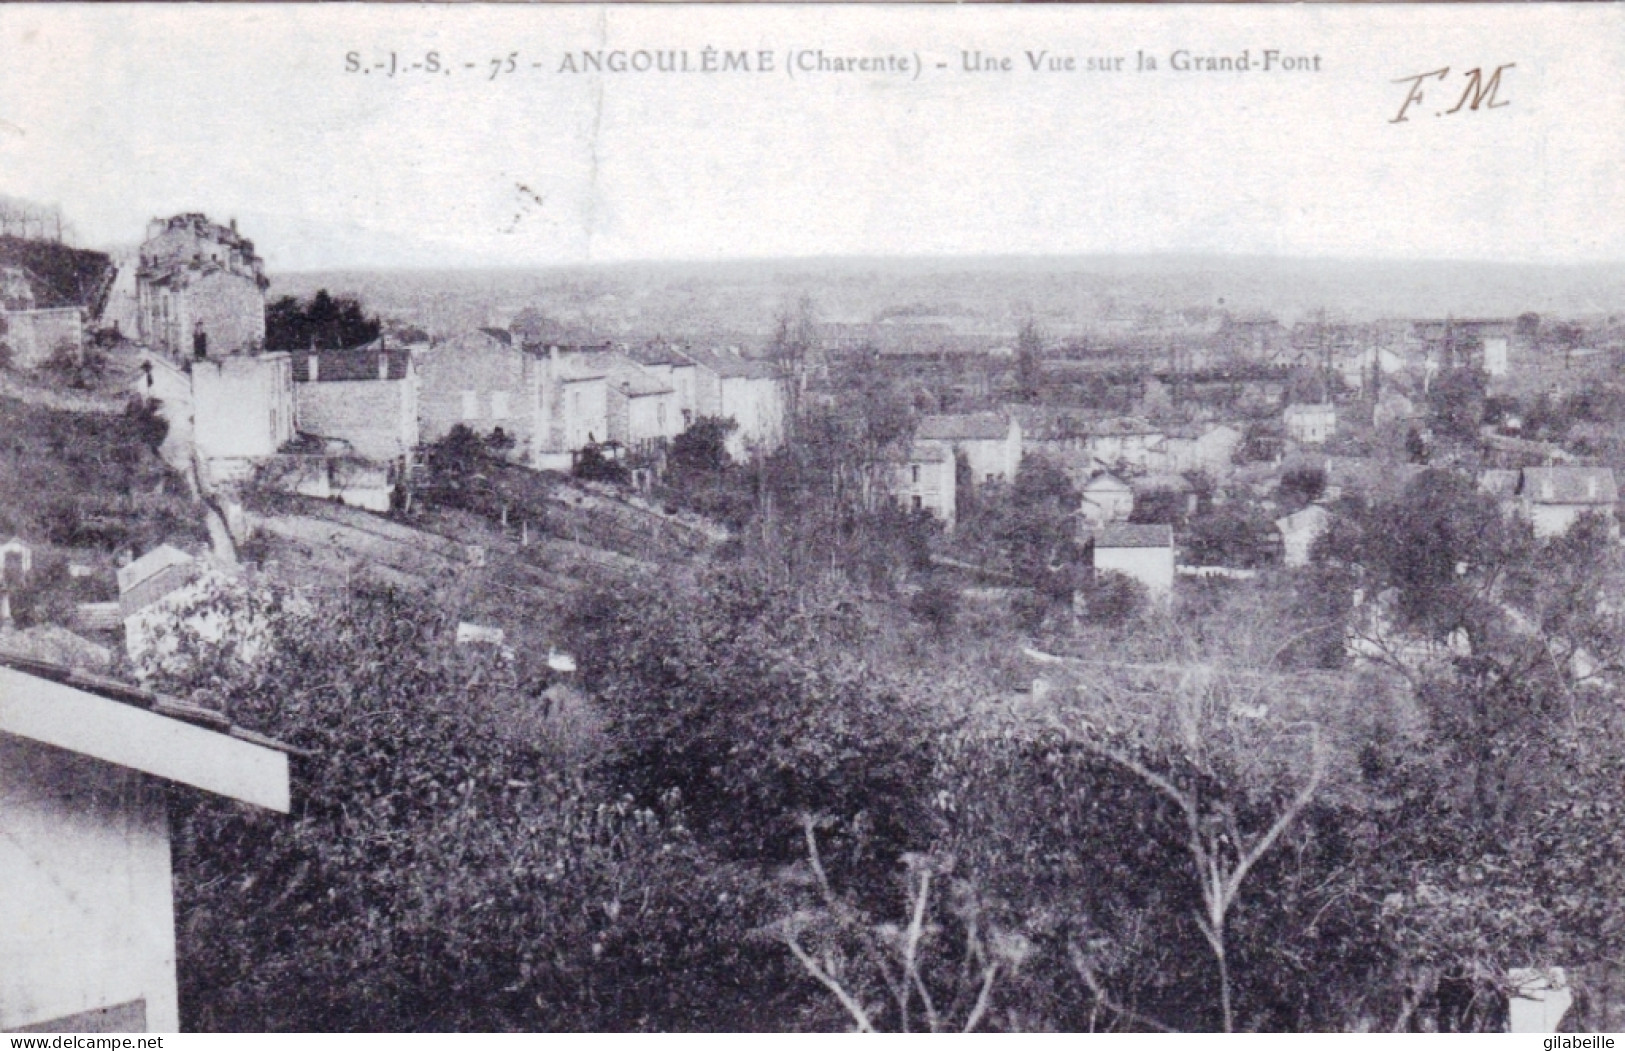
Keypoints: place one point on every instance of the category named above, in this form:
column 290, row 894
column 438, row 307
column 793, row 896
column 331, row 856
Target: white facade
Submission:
column 990, row 443
column 1299, row 531
column 1144, row 553
column 242, row 407
column 1106, row 498
column 927, row 483
column 1310, row 424
column 87, row 928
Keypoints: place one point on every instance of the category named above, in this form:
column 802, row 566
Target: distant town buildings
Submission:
column 200, row 289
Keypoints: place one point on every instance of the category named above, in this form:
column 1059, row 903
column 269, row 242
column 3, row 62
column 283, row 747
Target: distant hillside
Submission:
column 66, row 277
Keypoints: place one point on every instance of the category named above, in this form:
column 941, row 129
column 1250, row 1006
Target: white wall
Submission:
column 1151, row 566
column 86, row 914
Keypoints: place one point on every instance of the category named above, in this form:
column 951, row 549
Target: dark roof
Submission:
column 729, row 365
column 357, row 363
column 652, row 354
column 1569, row 485
column 922, row 453
column 501, row 335
column 140, row 697
column 977, row 426
column 1124, row 535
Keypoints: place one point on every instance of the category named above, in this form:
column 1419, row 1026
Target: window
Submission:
column 914, row 471
column 917, row 503
column 471, row 405
column 499, row 405
column 991, row 476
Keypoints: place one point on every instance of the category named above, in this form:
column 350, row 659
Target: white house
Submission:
column 242, row 407
column 990, row 442
column 1106, row 499
column 1142, row 552
column 16, row 560
column 87, row 921
column 1300, row 530
column 1310, row 424
column 1553, row 498
column 926, row 482
column 748, row 392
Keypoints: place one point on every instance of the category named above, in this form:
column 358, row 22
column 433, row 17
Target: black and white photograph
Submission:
column 803, row 518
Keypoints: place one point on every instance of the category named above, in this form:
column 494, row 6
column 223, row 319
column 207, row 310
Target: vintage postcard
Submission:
column 906, row 518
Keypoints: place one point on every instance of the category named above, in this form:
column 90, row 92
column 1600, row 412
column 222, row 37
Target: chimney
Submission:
column 314, row 366
column 383, row 366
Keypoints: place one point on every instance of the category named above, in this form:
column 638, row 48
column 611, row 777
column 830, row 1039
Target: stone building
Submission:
column 366, row 397
column 200, row 289
column 481, row 380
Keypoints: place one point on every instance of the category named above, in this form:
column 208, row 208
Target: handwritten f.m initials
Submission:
column 1415, row 94
column 1477, row 94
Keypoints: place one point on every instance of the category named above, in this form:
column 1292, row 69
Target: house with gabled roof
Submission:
column 87, row 765
column 1106, row 499
column 1299, row 531
column 158, row 573
column 1554, row 498
column 989, row 441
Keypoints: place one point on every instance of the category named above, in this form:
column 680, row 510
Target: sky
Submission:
column 258, row 112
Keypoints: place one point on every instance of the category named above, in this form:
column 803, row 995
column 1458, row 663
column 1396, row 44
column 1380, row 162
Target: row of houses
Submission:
column 378, row 402
column 554, row 401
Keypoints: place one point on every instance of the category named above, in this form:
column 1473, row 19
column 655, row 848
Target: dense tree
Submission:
column 756, row 698
column 448, row 864
column 1456, row 403
column 325, row 322
column 1029, row 359
column 703, row 445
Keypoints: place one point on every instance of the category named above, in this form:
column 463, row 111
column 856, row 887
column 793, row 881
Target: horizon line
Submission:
column 953, row 259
